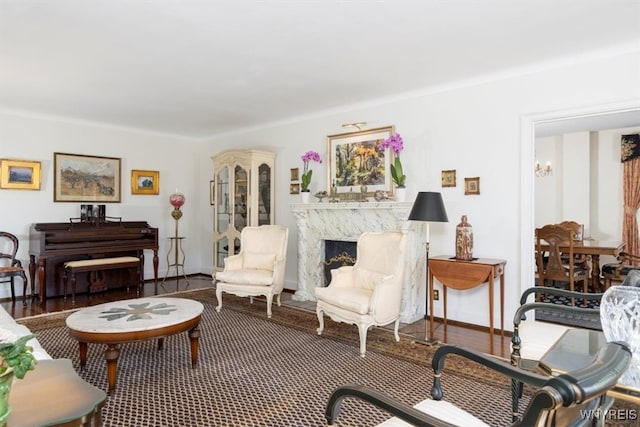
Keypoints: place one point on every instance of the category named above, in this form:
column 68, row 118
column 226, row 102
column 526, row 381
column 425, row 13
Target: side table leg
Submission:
column 83, row 354
column 111, row 355
column 194, row 335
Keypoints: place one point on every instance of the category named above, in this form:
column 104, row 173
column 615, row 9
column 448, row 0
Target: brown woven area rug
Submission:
column 255, row 371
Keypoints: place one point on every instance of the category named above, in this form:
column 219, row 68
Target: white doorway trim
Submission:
column 528, row 137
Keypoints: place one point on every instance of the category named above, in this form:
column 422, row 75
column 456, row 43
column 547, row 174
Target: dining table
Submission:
column 594, row 248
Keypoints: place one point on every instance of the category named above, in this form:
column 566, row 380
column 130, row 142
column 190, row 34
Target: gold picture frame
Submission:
column 449, row 178
column 83, row 178
column 472, row 186
column 145, row 182
column 356, row 161
column 295, row 174
column 294, row 188
column 20, row 174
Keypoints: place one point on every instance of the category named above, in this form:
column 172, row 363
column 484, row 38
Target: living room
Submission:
column 451, row 125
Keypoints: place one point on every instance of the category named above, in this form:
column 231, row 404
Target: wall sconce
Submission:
column 542, row 172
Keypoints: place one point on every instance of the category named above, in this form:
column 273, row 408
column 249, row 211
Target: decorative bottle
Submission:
column 464, row 240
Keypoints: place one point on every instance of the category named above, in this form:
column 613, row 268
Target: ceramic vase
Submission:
column 401, row 194
column 5, row 388
column 464, row 240
column 306, row 196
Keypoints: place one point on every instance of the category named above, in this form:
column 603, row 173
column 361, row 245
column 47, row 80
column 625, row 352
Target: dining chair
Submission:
column 552, row 269
column 10, row 266
column 618, row 271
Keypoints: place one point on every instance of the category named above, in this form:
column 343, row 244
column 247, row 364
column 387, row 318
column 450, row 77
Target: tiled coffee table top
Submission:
column 134, row 314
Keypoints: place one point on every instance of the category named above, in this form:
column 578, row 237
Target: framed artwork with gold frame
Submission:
column 356, row 161
column 145, row 182
column 20, row 174
column 449, row 178
column 294, row 188
column 295, row 174
column 84, row 178
column 472, row 186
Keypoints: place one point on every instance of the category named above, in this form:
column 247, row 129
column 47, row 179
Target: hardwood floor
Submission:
column 470, row 336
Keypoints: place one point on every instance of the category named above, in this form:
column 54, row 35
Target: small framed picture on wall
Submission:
column 472, row 186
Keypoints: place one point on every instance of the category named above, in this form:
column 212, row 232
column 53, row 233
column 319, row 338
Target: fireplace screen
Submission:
column 337, row 253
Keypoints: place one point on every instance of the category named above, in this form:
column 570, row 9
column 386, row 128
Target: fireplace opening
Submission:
column 337, row 253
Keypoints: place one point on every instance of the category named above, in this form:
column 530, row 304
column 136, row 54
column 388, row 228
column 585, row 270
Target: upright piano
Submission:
column 51, row 244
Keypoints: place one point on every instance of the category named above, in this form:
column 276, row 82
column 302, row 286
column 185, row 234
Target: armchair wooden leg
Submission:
column 219, row 298
column 362, row 329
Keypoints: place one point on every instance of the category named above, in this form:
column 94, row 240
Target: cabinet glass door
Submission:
column 264, row 194
column 222, row 217
column 241, row 207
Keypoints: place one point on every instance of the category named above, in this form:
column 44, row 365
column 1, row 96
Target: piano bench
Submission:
column 71, row 268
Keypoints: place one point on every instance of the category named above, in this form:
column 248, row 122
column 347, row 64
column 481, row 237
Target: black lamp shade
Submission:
column 428, row 207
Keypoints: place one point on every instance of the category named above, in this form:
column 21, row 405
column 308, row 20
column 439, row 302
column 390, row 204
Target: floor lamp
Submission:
column 428, row 207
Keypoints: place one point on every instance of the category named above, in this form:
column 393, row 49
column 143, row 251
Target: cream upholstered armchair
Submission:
column 367, row 293
column 259, row 267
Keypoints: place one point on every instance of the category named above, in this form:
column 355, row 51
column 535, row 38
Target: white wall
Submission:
column 37, row 139
column 474, row 129
column 477, row 131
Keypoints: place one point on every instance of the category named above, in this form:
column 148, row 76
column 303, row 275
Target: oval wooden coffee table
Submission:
column 133, row 320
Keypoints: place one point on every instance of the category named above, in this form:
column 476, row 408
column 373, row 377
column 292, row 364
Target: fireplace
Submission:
column 337, row 253
column 318, row 223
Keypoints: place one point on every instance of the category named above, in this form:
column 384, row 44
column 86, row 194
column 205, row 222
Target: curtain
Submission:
column 631, row 192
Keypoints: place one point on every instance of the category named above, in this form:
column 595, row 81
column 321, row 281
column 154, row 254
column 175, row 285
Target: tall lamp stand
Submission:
column 428, row 207
column 177, row 200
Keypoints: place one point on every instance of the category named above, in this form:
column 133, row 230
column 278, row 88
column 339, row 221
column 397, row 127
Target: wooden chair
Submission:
column 10, row 267
column 559, row 240
column 578, row 237
column 559, row 401
column 618, row 271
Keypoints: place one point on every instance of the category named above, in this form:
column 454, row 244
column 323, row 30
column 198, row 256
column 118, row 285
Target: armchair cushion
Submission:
column 356, row 300
column 367, row 279
column 253, row 276
column 441, row 410
column 259, row 261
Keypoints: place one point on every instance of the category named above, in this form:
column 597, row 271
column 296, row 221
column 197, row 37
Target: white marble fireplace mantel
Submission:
column 318, row 222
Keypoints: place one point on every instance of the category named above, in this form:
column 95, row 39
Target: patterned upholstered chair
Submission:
column 259, row 268
column 10, row 266
column 559, row 401
column 367, row 293
column 618, row 271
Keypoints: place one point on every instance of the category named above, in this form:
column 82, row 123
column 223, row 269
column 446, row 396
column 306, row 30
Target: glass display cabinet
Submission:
column 243, row 195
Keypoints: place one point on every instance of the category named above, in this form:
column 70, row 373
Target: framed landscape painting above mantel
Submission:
column 84, row 178
column 357, row 163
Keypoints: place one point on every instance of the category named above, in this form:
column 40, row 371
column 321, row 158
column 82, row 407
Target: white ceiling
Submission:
column 198, row 68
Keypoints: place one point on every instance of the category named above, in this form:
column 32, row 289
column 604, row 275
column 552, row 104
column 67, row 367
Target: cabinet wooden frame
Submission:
column 145, row 182
column 20, row 174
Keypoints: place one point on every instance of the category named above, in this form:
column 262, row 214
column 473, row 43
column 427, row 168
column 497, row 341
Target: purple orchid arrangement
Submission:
column 396, row 144
column 309, row 156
